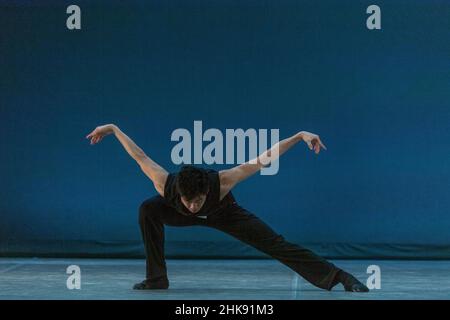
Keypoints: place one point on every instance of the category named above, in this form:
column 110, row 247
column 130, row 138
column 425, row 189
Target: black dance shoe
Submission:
column 162, row 283
column 351, row 284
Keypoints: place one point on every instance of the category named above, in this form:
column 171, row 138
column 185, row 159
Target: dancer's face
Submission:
column 194, row 205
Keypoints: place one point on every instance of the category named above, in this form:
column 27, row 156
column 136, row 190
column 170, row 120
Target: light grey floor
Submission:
column 214, row 279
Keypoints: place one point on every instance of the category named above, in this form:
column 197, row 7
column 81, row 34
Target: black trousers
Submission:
column 236, row 221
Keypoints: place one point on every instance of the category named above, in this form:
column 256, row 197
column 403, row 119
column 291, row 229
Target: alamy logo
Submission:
column 240, row 146
column 73, row 21
column 74, row 280
column 374, row 280
column 373, row 22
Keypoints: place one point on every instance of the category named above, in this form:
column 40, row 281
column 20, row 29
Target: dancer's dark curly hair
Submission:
column 192, row 182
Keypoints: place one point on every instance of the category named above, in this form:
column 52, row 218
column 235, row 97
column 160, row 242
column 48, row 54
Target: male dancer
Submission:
column 196, row 196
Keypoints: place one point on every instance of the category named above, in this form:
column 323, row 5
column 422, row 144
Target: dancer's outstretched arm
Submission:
column 154, row 171
column 230, row 177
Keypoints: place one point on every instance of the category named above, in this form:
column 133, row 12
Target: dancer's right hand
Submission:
column 99, row 132
column 312, row 140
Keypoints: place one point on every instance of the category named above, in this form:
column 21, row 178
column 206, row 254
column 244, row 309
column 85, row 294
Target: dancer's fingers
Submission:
column 322, row 145
column 317, row 148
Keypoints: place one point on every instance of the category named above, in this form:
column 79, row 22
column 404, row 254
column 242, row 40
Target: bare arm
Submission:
column 155, row 172
column 229, row 178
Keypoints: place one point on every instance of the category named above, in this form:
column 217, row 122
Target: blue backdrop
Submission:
column 378, row 98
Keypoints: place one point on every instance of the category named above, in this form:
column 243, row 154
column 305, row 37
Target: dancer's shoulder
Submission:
column 169, row 187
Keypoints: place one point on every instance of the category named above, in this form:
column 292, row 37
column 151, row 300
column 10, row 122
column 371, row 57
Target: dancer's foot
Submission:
column 350, row 283
column 161, row 283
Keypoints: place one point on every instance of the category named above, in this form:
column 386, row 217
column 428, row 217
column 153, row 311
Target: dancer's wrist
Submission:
column 299, row 136
column 113, row 128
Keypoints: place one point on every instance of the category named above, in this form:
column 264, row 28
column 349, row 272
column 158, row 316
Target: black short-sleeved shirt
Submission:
column 212, row 203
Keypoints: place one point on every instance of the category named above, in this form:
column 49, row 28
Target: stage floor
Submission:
column 214, row 279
